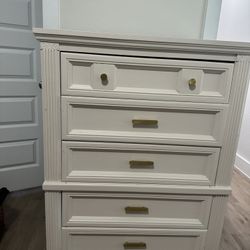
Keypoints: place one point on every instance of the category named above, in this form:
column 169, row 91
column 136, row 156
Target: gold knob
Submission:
column 192, row 83
column 104, row 78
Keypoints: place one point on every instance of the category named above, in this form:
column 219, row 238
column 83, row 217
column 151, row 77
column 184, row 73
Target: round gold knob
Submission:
column 192, row 83
column 104, row 78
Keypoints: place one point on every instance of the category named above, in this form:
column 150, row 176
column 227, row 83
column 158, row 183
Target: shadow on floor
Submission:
column 24, row 221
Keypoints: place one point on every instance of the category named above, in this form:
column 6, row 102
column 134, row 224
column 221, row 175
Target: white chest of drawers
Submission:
column 140, row 137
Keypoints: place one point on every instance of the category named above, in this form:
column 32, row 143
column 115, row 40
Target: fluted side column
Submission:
column 50, row 57
column 235, row 112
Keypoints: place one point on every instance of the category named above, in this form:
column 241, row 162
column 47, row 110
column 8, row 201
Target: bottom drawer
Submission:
column 166, row 240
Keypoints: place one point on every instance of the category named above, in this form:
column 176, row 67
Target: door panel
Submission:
column 21, row 163
column 17, row 110
column 16, row 63
column 18, row 154
column 15, row 13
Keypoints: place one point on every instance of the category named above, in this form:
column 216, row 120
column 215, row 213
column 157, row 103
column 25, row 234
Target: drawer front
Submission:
column 142, row 78
column 174, row 240
column 117, row 162
column 142, row 121
column 131, row 210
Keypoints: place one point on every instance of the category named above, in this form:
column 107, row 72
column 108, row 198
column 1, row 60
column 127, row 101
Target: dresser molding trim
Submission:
column 231, row 49
column 134, row 231
column 137, row 188
column 149, row 54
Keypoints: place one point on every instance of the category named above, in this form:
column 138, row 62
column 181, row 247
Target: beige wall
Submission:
column 234, row 25
column 170, row 18
column 164, row 18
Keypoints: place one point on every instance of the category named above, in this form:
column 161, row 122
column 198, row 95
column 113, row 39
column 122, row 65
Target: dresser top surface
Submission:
column 79, row 38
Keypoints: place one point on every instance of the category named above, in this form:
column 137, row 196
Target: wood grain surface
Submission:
column 236, row 230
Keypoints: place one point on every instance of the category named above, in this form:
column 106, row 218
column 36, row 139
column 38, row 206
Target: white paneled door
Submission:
column 21, row 164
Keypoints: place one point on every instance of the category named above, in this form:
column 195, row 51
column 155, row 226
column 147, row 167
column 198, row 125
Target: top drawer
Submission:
column 145, row 78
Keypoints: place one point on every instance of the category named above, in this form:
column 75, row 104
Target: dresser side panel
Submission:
column 50, row 56
column 216, row 221
column 235, row 112
column 53, row 211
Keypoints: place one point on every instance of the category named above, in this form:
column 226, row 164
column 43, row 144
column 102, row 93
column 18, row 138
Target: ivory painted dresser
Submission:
column 140, row 137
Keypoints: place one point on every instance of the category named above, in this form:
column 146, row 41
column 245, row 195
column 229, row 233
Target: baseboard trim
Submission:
column 242, row 165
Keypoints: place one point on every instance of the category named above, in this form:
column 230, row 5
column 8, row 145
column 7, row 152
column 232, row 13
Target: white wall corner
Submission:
column 234, row 21
column 51, row 14
column 159, row 18
column 242, row 165
column 212, row 10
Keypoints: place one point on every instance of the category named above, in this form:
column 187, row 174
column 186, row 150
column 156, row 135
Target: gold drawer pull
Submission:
column 134, row 245
column 104, row 78
column 192, row 83
column 145, row 123
column 136, row 210
column 141, row 164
